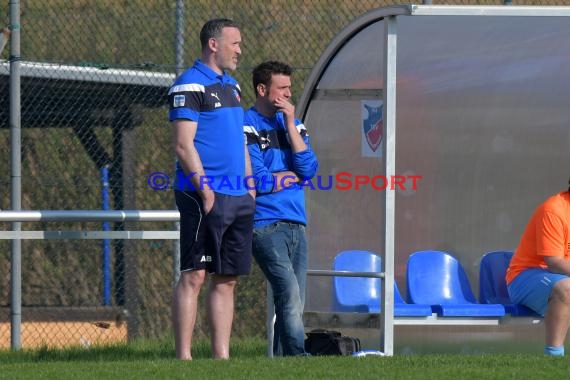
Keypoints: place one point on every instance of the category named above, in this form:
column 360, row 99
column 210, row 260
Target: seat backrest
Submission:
column 437, row 278
column 356, row 293
column 492, row 284
column 397, row 295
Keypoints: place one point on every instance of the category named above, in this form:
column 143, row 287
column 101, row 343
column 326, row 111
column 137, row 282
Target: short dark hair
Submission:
column 213, row 29
column 262, row 73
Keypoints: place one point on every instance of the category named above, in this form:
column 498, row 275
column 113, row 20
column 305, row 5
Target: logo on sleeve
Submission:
column 179, row 101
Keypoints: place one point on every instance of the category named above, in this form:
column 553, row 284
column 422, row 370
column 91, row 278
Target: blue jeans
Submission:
column 280, row 250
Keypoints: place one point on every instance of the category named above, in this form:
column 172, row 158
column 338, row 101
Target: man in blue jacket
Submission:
column 281, row 159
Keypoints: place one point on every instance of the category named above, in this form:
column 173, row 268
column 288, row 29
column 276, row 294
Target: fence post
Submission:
column 179, row 51
column 16, row 176
column 106, row 242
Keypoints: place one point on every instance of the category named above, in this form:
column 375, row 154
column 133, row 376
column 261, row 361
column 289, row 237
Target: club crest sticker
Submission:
column 372, row 128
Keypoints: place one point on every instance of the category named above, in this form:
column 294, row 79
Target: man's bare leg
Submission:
column 184, row 310
column 557, row 317
column 221, row 314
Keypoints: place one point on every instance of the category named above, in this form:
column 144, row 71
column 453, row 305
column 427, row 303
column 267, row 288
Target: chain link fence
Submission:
column 94, row 128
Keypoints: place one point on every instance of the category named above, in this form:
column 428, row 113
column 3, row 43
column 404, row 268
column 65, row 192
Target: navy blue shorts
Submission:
column 220, row 241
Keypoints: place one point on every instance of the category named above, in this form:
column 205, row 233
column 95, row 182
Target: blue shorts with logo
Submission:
column 220, row 241
column 532, row 288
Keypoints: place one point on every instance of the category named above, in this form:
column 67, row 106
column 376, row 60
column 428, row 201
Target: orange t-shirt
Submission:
column 546, row 234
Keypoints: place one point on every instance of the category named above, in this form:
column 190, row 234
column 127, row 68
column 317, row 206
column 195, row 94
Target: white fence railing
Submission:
column 72, row 216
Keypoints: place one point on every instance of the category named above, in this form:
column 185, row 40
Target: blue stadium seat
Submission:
column 438, row 279
column 404, row 309
column 492, row 284
column 363, row 295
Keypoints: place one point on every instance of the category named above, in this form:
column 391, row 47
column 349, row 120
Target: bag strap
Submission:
column 322, row 332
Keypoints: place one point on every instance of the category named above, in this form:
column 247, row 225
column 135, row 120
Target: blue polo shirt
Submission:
column 213, row 101
column 270, row 152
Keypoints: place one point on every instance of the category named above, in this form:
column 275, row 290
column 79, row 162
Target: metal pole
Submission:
column 179, row 37
column 270, row 319
column 16, row 176
column 179, row 52
column 106, row 242
column 389, row 170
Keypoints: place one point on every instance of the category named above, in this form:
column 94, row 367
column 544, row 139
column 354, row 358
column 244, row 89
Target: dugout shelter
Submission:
column 472, row 99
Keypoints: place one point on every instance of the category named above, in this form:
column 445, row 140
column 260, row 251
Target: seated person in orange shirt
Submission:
column 539, row 272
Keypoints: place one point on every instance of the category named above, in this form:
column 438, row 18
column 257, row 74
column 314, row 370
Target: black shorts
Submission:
column 219, row 241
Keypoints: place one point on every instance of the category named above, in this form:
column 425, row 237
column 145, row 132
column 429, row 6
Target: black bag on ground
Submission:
column 327, row 342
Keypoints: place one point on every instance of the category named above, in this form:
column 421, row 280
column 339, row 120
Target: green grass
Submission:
column 155, row 360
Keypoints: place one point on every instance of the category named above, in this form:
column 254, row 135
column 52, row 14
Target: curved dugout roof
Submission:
column 481, row 116
column 377, row 15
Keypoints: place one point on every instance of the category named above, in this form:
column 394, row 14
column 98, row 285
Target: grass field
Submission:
column 155, row 360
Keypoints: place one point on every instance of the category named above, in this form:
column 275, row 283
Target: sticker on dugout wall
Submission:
column 372, row 127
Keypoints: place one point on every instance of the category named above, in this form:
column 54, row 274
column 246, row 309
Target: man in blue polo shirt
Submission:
column 281, row 159
column 216, row 210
